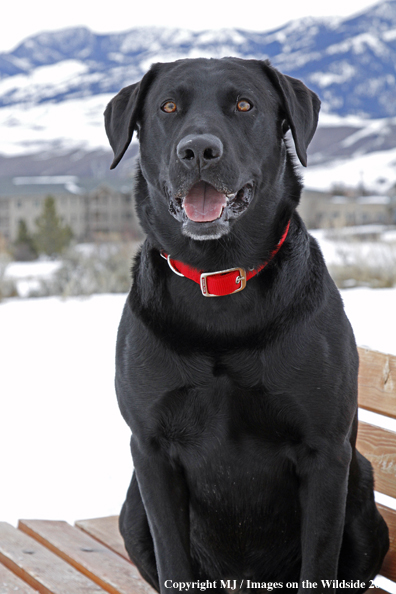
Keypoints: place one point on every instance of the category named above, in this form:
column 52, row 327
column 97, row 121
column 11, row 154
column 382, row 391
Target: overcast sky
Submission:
column 22, row 18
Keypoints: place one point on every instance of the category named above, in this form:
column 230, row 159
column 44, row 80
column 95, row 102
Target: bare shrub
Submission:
column 7, row 286
column 364, row 263
column 85, row 270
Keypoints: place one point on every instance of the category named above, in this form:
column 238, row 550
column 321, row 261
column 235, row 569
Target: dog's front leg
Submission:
column 165, row 497
column 323, row 493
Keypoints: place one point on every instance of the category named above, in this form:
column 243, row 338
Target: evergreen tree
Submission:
column 51, row 237
column 23, row 248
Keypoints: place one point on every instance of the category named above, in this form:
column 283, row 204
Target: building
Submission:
column 109, row 213
column 323, row 210
column 96, row 211
column 92, row 211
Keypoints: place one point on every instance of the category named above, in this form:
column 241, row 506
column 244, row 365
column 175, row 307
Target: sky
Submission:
column 24, row 18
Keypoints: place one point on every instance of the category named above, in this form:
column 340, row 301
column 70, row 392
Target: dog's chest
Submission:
column 225, row 407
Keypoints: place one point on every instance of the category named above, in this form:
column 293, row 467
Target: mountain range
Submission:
column 55, row 85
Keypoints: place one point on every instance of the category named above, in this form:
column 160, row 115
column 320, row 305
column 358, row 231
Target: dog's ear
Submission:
column 301, row 107
column 122, row 115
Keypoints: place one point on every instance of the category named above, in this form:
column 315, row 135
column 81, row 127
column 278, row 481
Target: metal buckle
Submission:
column 167, row 258
column 239, row 279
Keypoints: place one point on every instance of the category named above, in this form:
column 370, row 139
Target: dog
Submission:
column 236, row 366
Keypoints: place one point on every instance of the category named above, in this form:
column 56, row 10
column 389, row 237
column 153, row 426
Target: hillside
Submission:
column 54, row 86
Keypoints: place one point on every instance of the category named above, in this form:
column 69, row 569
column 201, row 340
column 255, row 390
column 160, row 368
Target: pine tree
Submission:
column 23, row 248
column 51, row 237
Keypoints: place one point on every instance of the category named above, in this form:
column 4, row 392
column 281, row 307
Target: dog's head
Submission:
column 212, row 139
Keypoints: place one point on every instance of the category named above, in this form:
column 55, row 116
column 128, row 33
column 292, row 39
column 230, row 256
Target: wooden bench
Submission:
column 377, row 393
column 54, row 557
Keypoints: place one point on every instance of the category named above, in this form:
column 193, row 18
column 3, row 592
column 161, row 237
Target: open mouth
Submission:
column 203, row 203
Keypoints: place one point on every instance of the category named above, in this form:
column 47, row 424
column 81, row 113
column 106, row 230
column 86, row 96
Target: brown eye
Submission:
column 169, row 107
column 244, row 105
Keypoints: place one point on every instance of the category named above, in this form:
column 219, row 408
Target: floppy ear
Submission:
column 301, row 107
column 122, row 115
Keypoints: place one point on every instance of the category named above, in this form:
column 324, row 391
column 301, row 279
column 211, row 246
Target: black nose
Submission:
column 199, row 150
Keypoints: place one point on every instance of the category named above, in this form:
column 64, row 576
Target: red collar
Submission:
column 222, row 282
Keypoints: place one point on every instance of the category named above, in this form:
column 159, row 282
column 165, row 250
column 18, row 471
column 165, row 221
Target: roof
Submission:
column 57, row 185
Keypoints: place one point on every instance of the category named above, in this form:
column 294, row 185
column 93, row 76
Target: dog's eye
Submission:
column 244, row 105
column 169, row 107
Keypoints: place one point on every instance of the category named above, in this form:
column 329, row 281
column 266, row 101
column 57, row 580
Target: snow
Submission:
column 32, row 270
column 70, row 124
column 27, row 275
column 33, row 85
column 78, row 124
column 344, row 246
column 29, row 125
column 358, row 45
column 369, row 128
column 389, row 35
column 372, row 315
column 324, row 79
column 333, row 119
column 65, row 445
column 376, row 170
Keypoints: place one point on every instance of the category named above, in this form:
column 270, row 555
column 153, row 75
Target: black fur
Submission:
column 242, row 408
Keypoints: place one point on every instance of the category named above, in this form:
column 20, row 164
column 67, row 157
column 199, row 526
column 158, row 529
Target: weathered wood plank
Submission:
column 377, row 382
column 379, row 447
column 96, row 561
column 389, row 566
column 11, row 584
column 106, row 531
column 39, row 567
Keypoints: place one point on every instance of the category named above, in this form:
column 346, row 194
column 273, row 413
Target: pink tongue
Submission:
column 204, row 203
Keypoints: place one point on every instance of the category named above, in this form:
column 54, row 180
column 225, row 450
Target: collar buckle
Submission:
column 168, row 259
column 240, row 279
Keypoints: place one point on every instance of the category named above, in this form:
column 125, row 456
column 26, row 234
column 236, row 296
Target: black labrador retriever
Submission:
column 236, row 365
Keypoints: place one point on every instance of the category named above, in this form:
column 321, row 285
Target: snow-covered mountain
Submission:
column 54, row 86
column 351, row 63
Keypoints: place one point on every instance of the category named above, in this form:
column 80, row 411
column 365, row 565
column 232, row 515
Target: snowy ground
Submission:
column 65, row 447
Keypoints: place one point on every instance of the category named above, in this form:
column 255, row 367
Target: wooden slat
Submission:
column 379, row 447
column 106, row 531
column 99, row 563
column 39, row 567
column 377, row 382
column 389, row 566
column 11, row 584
